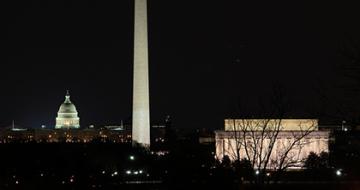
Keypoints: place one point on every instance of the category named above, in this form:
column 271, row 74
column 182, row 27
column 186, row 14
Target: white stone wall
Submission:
column 317, row 142
column 258, row 124
column 63, row 123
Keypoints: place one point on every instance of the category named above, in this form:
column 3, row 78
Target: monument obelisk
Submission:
column 141, row 107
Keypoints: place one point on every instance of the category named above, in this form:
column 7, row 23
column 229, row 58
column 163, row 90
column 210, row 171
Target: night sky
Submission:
column 205, row 58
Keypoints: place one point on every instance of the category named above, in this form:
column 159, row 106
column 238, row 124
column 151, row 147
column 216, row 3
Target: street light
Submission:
column 132, row 157
column 342, row 124
column 339, row 172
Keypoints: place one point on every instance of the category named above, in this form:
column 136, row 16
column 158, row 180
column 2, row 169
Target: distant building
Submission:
column 65, row 135
column 67, row 130
column 241, row 133
column 111, row 134
column 115, row 127
column 206, row 137
column 67, row 117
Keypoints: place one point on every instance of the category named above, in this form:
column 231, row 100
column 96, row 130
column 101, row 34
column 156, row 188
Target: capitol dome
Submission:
column 67, row 115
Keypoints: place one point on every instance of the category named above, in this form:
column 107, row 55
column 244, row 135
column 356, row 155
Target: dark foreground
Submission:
column 119, row 166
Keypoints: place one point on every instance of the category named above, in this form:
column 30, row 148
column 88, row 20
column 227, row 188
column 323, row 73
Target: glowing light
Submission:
column 257, row 172
column 128, row 172
column 339, row 172
column 132, row 157
column 114, row 174
column 18, row 129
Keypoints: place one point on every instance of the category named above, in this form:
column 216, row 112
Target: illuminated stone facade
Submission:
column 67, row 117
column 141, row 110
column 230, row 142
column 257, row 124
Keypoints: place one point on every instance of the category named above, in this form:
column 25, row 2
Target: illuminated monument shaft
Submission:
column 141, row 113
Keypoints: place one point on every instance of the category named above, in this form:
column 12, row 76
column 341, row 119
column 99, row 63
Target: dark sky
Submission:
column 205, row 57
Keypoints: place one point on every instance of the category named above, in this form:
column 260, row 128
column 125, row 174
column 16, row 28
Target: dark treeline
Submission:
column 189, row 164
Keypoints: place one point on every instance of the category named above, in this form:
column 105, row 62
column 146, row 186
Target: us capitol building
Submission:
column 67, row 117
column 67, row 129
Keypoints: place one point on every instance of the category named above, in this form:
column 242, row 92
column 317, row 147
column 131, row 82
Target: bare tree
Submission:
column 264, row 143
column 267, row 143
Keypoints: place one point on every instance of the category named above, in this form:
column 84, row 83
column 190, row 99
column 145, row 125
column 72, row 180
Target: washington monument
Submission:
column 141, row 108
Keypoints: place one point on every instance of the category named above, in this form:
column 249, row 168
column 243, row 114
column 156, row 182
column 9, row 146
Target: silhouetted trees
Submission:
column 317, row 162
column 257, row 141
